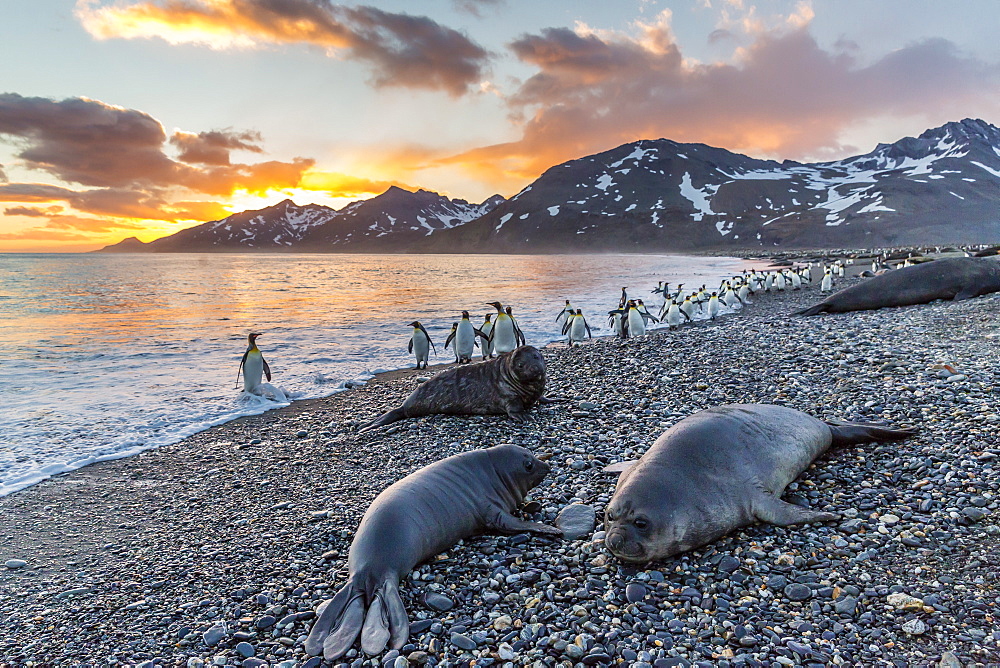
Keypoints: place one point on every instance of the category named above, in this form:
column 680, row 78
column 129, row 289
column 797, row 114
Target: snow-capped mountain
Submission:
column 393, row 218
column 942, row 187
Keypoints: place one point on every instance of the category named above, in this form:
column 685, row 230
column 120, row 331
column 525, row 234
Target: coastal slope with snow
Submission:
column 942, row 187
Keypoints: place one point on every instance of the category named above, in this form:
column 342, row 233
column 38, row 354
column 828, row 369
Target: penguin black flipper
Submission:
column 409, row 346
column 267, row 369
column 450, row 338
column 565, row 327
column 589, row 335
column 240, row 370
column 428, row 340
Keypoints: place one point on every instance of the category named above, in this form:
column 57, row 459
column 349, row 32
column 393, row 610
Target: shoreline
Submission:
column 135, row 559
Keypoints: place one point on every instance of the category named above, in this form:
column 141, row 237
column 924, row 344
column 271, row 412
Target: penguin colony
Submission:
column 500, row 333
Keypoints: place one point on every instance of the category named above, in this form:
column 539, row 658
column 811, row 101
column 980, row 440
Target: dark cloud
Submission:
column 212, row 148
column 33, row 212
column 3, row 175
column 122, row 151
column 784, row 97
column 401, row 49
column 85, row 141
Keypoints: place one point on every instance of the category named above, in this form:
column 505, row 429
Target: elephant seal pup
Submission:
column 509, row 384
column 718, row 470
column 414, row 519
column 952, row 278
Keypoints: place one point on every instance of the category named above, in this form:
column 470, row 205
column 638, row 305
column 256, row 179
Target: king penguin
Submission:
column 450, row 340
column 504, row 335
column 465, row 339
column 575, row 328
column 714, row 306
column 420, row 343
column 635, row 320
column 253, row 365
column 485, row 343
column 565, row 314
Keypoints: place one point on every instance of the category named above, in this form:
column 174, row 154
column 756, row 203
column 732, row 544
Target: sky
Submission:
column 123, row 118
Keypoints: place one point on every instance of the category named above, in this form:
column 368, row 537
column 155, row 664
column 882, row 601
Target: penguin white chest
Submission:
column 253, row 370
column 465, row 339
column 421, row 348
column 636, row 323
column 504, row 339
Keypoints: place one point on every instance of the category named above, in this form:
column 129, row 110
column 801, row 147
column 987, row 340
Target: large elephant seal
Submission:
column 412, row 520
column 508, row 385
column 952, row 278
column 718, row 470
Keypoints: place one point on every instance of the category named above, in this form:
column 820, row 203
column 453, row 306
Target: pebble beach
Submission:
column 215, row 551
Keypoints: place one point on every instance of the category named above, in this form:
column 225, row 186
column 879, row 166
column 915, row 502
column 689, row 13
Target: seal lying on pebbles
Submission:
column 953, row 278
column 509, row 384
column 412, row 520
column 718, row 470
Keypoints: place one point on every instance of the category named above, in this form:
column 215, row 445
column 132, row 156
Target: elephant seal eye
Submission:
column 641, row 523
column 529, row 465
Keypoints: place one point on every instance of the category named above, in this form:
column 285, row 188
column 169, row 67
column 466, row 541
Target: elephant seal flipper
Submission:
column 504, row 522
column 855, row 433
column 773, row 510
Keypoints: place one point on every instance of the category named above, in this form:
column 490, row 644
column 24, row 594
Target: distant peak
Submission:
column 967, row 128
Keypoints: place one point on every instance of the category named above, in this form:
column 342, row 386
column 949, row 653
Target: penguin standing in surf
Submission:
column 253, row 365
column 565, row 314
column 420, row 343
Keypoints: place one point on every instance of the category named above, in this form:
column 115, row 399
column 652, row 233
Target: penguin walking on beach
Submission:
column 485, row 344
column 450, row 340
column 616, row 322
column 714, row 306
column 420, row 343
column 253, row 365
column 465, row 339
column 635, row 320
column 827, row 284
column 624, row 299
column 575, row 328
column 675, row 316
column 505, row 333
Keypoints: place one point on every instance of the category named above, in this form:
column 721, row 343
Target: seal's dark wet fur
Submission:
column 508, row 385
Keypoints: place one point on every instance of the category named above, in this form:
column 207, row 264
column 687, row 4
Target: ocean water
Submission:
column 103, row 356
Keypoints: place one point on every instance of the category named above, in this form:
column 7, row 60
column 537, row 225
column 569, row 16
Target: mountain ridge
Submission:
column 941, row 187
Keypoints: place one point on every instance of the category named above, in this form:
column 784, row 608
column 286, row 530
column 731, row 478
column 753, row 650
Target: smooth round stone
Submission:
column 15, row 563
column 576, row 520
column 914, row 627
column 245, row 649
column 798, row 592
column 635, row 592
column 463, row 641
column 265, row 622
column 728, row 564
column 213, row 636
column 438, row 602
